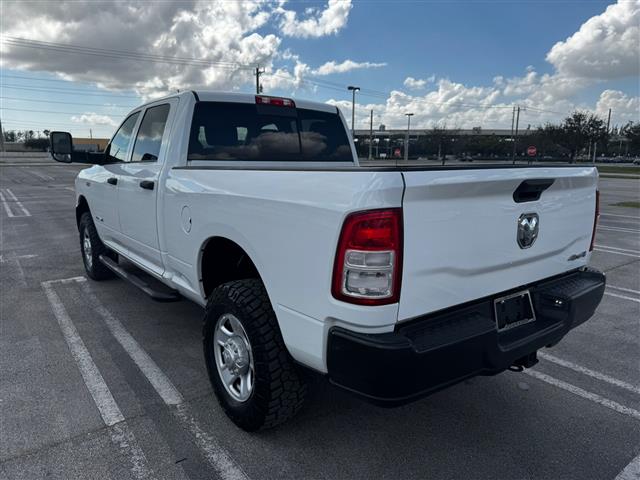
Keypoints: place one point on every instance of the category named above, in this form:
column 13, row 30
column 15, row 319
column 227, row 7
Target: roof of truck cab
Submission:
column 233, row 97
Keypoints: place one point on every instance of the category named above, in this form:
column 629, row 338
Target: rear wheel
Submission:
column 92, row 247
column 255, row 379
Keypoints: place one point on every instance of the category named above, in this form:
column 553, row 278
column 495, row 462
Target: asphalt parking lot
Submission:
column 147, row 410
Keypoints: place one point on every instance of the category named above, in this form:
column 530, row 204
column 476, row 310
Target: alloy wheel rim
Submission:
column 233, row 357
column 86, row 248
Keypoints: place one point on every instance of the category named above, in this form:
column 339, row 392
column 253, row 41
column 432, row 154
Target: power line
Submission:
column 119, row 54
column 67, row 90
column 156, row 58
column 544, row 110
column 51, row 124
column 69, row 48
column 63, row 113
column 26, row 77
column 106, row 105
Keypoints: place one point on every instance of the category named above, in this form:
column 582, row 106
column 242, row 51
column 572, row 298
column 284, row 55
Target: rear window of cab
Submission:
column 248, row 132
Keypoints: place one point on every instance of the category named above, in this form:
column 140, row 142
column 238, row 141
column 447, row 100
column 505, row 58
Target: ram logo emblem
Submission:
column 528, row 225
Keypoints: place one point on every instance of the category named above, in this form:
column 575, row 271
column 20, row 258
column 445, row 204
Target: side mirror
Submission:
column 61, row 146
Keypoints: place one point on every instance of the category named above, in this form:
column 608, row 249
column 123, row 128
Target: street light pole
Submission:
column 515, row 138
column 2, row 138
column 406, row 142
column 371, row 135
column 259, row 71
column 353, row 109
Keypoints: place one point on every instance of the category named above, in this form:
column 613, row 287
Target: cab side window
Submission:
column 117, row 150
column 149, row 137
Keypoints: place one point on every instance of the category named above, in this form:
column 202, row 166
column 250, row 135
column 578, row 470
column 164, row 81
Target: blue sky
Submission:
column 470, row 42
column 454, row 51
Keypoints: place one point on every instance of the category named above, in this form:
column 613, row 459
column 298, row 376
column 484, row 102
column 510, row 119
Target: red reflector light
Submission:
column 368, row 263
column 596, row 216
column 277, row 101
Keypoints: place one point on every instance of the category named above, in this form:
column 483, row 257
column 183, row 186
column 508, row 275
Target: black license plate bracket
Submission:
column 513, row 310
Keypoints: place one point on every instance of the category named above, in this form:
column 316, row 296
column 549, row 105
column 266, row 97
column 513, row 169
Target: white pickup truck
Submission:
column 393, row 282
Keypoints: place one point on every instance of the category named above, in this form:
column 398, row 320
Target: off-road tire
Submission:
column 97, row 270
column 279, row 387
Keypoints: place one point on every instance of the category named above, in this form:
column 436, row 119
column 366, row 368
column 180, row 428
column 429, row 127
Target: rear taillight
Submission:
column 595, row 221
column 368, row 264
column 278, row 101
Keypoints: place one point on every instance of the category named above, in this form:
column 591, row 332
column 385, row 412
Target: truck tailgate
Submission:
column 461, row 226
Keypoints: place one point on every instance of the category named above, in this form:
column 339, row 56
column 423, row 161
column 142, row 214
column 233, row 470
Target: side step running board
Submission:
column 168, row 296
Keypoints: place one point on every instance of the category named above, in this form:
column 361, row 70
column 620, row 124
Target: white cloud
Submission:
column 226, row 37
column 283, row 79
column 94, row 119
column 232, row 35
column 414, row 83
column 418, row 83
column 332, row 67
column 318, row 23
column 451, row 103
column 223, row 35
column 623, row 107
column 606, row 46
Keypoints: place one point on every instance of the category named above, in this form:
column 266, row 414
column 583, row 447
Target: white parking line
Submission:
column 637, row 292
column 616, row 252
column 631, row 471
column 10, row 213
column 5, row 205
column 41, row 176
column 617, row 215
column 589, row 372
column 92, row 378
column 618, row 229
column 628, row 250
column 624, row 297
column 215, row 454
column 13, row 256
column 64, row 280
column 122, row 435
column 160, row 382
column 593, row 397
column 111, row 415
column 18, row 202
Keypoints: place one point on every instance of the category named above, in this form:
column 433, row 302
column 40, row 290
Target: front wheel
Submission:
column 255, row 379
column 92, row 247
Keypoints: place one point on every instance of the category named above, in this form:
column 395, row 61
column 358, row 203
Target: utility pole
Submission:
column 91, row 134
column 595, row 148
column 406, row 142
column 513, row 120
column 371, row 135
column 1, row 138
column 515, row 138
column 259, row 71
column 353, row 109
column 608, row 121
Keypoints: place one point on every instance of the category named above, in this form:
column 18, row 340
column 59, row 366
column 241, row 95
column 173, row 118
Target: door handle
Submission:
column 146, row 184
column 112, row 181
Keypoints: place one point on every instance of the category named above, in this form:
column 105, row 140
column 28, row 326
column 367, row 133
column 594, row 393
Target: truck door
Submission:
column 104, row 183
column 138, row 187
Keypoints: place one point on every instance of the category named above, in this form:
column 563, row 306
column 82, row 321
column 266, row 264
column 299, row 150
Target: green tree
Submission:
column 441, row 138
column 631, row 131
column 10, row 136
column 40, row 144
column 577, row 131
